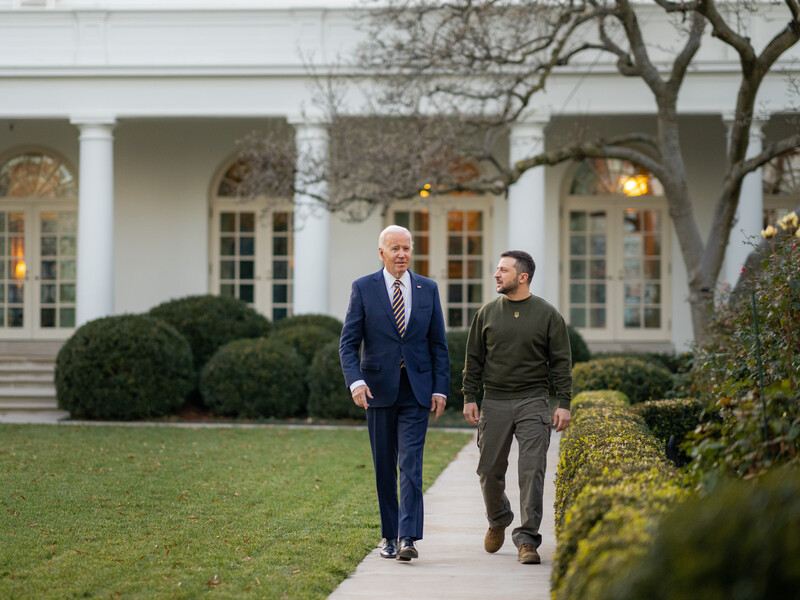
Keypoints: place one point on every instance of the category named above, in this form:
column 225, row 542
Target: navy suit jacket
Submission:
column 369, row 325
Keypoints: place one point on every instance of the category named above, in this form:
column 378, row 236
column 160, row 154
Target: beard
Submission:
column 508, row 288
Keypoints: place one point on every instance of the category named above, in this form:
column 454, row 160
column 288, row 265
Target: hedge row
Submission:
column 639, row 380
column 612, row 472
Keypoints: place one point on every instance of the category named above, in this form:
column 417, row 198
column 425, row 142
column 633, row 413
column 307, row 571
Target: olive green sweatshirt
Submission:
column 513, row 346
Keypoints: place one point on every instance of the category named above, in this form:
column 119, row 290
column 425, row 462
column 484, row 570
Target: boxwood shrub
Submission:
column 209, row 322
column 643, row 493
column 305, row 339
column 259, row 378
column 599, row 398
column 123, row 368
column 638, row 380
column 332, row 324
column 580, row 351
column 740, row 541
column 328, row 396
column 668, row 418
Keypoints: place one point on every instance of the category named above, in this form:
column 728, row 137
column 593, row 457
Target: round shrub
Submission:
column 260, row 378
column 636, row 379
column 333, row 324
column 457, row 347
column 740, row 541
column 580, row 351
column 668, row 418
column 305, row 339
column 209, row 322
column 596, row 398
column 123, row 368
column 328, row 396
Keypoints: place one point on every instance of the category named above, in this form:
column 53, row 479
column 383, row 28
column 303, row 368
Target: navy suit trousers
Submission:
column 397, row 437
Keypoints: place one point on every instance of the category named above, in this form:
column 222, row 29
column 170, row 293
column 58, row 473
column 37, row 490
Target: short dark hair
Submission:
column 523, row 262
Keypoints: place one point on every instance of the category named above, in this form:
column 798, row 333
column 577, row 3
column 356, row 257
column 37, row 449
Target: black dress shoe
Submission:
column 407, row 549
column 389, row 548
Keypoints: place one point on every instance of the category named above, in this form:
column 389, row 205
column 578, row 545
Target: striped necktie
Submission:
column 399, row 308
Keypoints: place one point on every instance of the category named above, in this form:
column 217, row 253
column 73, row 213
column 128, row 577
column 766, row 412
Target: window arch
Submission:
column 601, row 176
column 36, row 174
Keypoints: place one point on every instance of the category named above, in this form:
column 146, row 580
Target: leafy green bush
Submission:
column 667, row 418
column 599, row 398
column 328, row 396
column 332, row 324
column 306, row 339
column 260, row 378
column 604, row 444
column 580, row 351
column 123, row 367
column 674, row 363
column 637, row 379
column 209, row 322
column 741, row 541
column 645, row 492
column 754, row 432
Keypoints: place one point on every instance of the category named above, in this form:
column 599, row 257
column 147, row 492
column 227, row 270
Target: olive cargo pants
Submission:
column 527, row 419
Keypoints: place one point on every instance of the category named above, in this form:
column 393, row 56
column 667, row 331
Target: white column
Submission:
column 749, row 218
column 526, row 201
column 311, row 280
column 95, row 287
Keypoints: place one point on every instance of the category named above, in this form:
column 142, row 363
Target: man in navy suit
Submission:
column 395, row 319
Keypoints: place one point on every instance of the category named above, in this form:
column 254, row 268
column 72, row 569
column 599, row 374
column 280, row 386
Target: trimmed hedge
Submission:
column 328, row 396
column 260, row 378
column 638, row 380
column 332, row 324
column 209, row 322
column 741, row 541
column 123, row 368
column 667, row 418
column 305, row 339
column 593, row 532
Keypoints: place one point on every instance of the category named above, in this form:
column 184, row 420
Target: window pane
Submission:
column 68, row 269
column 280, row 246
column 474, row 245
column 247, row 222
column 455, row 269
column 280, row 269
column 652, row 293
column 227, row 269
column 652, row 269
column 49, row 224
column 66, row 292
column 597, row 222
column 421, row 244
column 280, row 293
column 16, row 317
column 49, row 271
column 597, row 269
column 651, row 220
column 633, row 293
column 48, row 293
column 652, row 318
column 67, row 316
column 49, row 246
column 475, row 292
column 598, row 245
column 577, row 269
column 454, row 293
column 227, row 222
column 652, row 245
column 597, row 293
column 228, row 290
column 68, row 246
column 246, row 269
column 47, row 317
column 577, row 221
column 246, row 293
column 401, row 217
column 279, row 313
column 455, row 221
column 475, row 221
column 68, row 222
column 631, row 221
column 632, row 246
column 631, row 268
column 455, row 318
column 281, row 222
column 597, row 317
column 420, row 220
column 577, row 293
column 632, row 317
column 455, row 245
column 474, row 268
column 227, row 246
column 577, row 245
column 247, row 246
column 577, row 317
column 421, row 267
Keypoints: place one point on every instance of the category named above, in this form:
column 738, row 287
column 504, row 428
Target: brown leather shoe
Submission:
column 528, row 555
column 494, row 539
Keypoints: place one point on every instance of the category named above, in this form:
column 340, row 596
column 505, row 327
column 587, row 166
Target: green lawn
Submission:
column 164, row 512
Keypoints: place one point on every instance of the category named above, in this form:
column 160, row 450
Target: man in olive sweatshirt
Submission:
column 516, row 344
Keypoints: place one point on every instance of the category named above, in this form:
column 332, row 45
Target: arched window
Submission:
column 252, row 253
column 38, row 246
column 781, row 186
column 615, row 240
column 35, row 174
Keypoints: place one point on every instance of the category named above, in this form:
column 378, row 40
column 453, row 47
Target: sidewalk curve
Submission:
column 453, row 563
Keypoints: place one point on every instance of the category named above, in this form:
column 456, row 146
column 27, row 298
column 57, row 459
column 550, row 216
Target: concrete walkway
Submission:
column 453, row 563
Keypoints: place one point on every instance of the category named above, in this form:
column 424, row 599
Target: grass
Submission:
column 164, row 512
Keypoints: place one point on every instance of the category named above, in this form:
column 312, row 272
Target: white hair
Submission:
column 394, row 229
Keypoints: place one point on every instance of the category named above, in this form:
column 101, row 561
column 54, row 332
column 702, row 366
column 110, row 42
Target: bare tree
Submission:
column 478, row 64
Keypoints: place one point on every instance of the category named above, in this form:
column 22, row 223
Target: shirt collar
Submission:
column 390, row 279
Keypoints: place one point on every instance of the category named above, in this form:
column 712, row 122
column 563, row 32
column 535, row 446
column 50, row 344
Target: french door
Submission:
column 252, row 257
column 617, row 282
column 38, row 270
column 452, row 246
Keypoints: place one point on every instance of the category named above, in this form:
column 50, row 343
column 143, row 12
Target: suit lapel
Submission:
column 415, row 298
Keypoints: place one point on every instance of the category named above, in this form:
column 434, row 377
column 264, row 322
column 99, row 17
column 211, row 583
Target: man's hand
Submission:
column 561, row 419
column 471, row 413
column 437, row 406
column 360, row 395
